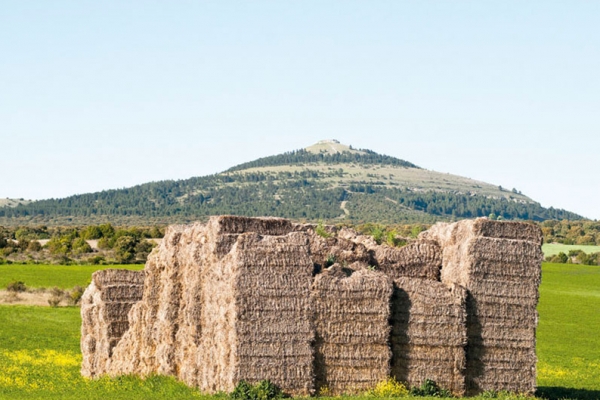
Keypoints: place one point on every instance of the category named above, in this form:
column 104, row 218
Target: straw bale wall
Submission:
column 500, row 265
column 104, row 308
column 255, row 298
column 352, row 309
column 258, row 315
column 429, row 333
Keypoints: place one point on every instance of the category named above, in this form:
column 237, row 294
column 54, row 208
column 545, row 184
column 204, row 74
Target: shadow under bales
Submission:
column 563, row 393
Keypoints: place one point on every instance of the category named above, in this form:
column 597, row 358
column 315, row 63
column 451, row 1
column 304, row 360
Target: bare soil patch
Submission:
column 35, row 298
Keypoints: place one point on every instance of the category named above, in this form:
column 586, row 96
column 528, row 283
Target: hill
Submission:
column 327, row 181
column 13, row 202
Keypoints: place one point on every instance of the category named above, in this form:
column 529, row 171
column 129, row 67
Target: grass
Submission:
column 568, row 337
column 40, row 356
column 62, row 276
column 40, row 359
column 551, row 249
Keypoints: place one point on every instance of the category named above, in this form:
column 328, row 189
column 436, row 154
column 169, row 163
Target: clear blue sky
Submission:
column 99, row 95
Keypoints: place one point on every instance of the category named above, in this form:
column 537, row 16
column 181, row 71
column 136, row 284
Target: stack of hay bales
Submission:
column 352, row 310
column 257, row 315
column 500, row 265
column 187, row 323
column 429, row 333
column 240, row 299
column 104, row 308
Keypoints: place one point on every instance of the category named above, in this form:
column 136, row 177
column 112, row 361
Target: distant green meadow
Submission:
column 48, row 276
column 40, row 356
column 551, row 249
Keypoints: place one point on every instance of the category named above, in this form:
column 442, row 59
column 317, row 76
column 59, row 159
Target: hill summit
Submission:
column 331, row 146
column 327, row 181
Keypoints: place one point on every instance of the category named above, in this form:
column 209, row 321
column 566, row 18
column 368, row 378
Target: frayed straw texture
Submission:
column 429, row 333
column 161, row 327
column 419, row 259
column 104, row 308
column 271, row 331
column 500, row 265
column 508, row 230
column 336, row 249
column 198, row 282
column 264, row 226
column 352, row 310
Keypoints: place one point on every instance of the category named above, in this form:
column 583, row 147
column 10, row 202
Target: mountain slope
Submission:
column 326, row 181
column 13, row 202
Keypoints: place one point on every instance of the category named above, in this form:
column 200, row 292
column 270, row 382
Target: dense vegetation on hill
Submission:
column 303, row 156
column 289, row 188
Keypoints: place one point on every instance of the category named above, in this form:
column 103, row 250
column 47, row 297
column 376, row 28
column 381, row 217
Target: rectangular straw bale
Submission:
column 257, row 314
column 263, row 226
column 118, row 277
column 508, row 230
column 420, row 259
column 104, row 310
column 500, row 264
column 352, row 329
column 429, row 333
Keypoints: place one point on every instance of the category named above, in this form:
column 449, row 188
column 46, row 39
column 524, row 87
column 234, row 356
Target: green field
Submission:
column 40, row 357
column 568, row 333
column 62, row 276
column 551, row 249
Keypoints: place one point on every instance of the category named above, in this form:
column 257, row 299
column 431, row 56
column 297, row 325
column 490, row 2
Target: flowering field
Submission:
column 40, row 357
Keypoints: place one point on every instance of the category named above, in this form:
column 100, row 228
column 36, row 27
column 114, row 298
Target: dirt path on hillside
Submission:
column 343, row 207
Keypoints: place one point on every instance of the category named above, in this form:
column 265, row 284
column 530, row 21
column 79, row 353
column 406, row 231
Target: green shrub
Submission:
column 378, row 234
column 74, row 296
column 430, row 388
column 321, row 231
column 560, row 258
column 263, row 390
column 16, row 287
column 125, row 249
column 392, row 239
column 59, row 245
column 242, row 391
column 56, row 296
column 330, row 261
column 7, row 251
column 143, row 249
column 96, row 260
column 80, row 246
column 34, row 245
column 415, row 230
